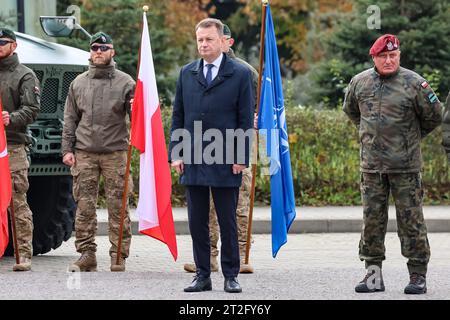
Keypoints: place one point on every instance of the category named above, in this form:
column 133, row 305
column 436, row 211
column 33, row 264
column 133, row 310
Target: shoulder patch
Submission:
column 432, row 97
column 424, row 84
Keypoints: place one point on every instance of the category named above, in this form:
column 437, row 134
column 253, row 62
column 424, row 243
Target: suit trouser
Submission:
column 242, row 214
column 225, row 201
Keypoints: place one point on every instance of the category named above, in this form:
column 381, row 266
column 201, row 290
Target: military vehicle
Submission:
column 50, row 193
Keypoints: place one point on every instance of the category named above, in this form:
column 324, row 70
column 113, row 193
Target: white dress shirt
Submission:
column 215, row 69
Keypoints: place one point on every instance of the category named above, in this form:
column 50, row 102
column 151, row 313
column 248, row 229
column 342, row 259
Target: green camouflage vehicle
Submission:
column 50, row 193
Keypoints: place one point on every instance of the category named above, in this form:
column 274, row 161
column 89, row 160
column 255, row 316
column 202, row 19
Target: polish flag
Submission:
column 5, row 187
column 147, row 135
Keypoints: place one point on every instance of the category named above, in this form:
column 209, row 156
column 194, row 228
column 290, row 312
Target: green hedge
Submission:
column 325, row 162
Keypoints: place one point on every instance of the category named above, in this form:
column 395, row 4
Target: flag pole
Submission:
column 13, row 228
column 265, row 3
column 124, row 204
column 125, row 188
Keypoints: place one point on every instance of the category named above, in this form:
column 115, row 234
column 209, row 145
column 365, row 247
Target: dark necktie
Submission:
column 209, row 74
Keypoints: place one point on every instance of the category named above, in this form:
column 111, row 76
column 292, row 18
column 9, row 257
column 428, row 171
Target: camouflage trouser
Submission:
column 242, row 213
column 407, row 192
column 18, row 163
column 86, row 174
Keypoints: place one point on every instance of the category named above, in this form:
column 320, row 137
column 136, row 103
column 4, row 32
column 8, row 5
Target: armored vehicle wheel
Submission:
column 51, row 201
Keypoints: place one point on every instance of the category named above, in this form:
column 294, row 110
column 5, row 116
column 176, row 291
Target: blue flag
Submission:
column 272, row 125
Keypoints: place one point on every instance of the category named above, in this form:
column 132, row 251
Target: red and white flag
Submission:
column 147, row 135
column 5, row 187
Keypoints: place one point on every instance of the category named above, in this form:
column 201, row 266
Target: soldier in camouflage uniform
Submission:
column 243, row 207
column 95, row 140
column 19, row 90
column 394, row 109
column 446, row 127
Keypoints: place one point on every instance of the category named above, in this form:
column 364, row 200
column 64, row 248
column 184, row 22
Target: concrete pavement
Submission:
column 309, row 220
column 310, row 266
column 319, row 262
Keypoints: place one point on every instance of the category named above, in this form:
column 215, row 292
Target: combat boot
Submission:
column 23, row 265
column 417, row 284
column 371, row 283
column 86, row 263
column 245, row 268
column 117, row 267
column 190, row 267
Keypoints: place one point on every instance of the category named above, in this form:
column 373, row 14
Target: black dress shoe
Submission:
column 199, row 284
column 231, row 285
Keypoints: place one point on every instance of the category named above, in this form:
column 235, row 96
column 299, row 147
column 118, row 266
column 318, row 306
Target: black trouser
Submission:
column 225, row 202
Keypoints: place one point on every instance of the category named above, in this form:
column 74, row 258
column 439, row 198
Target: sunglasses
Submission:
column 102, row 48
column 4, row 42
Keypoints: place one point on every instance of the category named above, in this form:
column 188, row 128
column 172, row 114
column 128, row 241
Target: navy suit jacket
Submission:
column 227, row 103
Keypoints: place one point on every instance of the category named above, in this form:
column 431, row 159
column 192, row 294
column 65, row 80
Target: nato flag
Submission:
column 272, row 125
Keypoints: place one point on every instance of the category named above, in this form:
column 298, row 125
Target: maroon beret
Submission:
column 388, row 42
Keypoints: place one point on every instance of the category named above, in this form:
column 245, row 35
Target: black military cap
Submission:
column 226, row 31
column 101, row 37
column 7, row 33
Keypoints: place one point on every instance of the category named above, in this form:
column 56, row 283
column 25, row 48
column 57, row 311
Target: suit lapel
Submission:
column 197, row 70
column 225, row 71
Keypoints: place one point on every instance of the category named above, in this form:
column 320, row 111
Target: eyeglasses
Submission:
column 4, row 42
column 102, row 48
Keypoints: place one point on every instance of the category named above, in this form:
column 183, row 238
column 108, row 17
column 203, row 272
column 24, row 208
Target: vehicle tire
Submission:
column 51, row 201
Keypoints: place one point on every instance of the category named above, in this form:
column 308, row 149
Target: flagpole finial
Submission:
column 145, row 8
column 265, row 2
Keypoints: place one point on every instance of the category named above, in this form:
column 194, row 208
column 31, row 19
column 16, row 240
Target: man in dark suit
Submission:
column 214, row 97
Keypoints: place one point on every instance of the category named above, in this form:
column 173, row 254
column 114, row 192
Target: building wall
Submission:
column 8, row 13
column 33, row 9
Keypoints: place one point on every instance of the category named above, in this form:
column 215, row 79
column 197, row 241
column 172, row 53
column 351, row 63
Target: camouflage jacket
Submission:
column 96, row 109
column 20, row 94
column 446, row 127
column 393, row 113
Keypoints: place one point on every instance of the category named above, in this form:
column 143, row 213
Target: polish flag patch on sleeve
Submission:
column 424, row 84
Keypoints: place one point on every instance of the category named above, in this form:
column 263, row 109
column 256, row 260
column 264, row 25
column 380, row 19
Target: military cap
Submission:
column 387, row 42
column 101, row 37
column 226, row 30
column 7, row 33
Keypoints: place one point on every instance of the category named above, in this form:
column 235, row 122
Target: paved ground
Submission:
column 309, row 266
column 309, row 220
